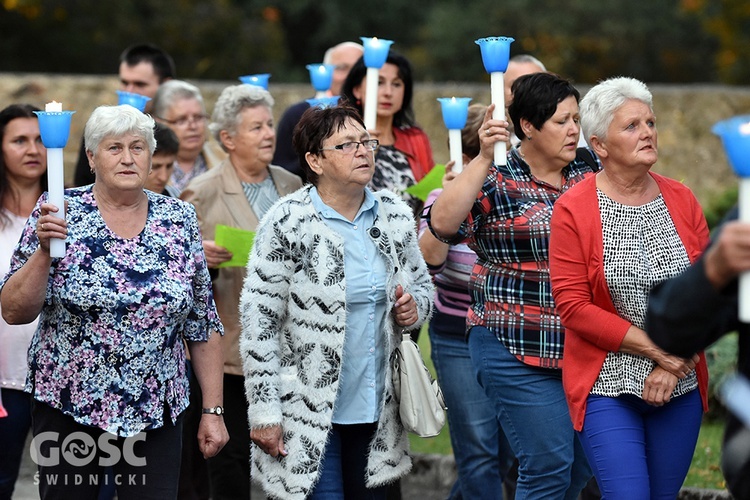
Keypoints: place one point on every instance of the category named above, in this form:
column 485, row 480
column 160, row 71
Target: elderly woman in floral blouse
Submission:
column 108, row 356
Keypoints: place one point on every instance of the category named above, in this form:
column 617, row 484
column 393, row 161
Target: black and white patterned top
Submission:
column 641, row 249
column 261, row 195
column 393, row 172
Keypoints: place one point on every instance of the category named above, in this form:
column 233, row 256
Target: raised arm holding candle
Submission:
column 404, row 156
column 495, row 53
column 735, row 136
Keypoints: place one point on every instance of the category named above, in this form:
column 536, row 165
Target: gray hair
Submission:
column 526, row 58
column 343, row 45
column 117, row 121
column 231, row 102
column 598, row 106
column 172, row 91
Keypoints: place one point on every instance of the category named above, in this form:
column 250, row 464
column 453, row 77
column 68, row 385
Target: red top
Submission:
column 415, row 144
column 592, row 326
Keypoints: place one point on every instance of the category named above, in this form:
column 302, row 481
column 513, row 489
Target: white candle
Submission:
column 744, row 279
column 53, row 106
column 371, row 98
column 497, row 90
column 454, row 143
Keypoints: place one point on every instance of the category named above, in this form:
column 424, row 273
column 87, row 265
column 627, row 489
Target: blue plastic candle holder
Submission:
column 495, row 52
column 260, row 80
column 321, row 76
column 376, row 51
column 138, row 101
column 54, row 127
column 455, row 111
column 735, row 136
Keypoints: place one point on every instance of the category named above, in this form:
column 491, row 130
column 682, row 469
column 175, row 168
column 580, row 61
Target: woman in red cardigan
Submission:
column 404, row 155
column 636, row 408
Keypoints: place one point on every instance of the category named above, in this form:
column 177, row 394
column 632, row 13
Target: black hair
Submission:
column 149, row 53
column 166, row 140
column 535, row 98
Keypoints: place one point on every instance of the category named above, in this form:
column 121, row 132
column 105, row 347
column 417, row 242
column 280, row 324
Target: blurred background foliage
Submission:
column 665, row 41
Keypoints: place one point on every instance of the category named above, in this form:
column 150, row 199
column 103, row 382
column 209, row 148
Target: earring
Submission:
column 359, row 102
column 528, row 137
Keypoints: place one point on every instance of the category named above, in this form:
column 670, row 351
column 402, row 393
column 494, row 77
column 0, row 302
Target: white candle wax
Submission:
column 53, row 106
column 56, row 181
column 497, row 89
column 454, row 143
column 744, row 279
column 371, row 98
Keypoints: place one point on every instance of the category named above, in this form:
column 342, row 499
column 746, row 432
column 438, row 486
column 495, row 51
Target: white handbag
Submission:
column 421, row 404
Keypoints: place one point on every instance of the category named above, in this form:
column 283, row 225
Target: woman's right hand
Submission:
column 491, row 132
column 50, row 226
column 269, row 439
column 658, row 387
column 215, row 254
column 677, row 366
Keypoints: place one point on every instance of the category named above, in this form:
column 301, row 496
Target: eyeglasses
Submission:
column 184, row 121
column 351, row 147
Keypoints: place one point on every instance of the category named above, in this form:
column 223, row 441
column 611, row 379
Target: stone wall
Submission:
column 688, row 150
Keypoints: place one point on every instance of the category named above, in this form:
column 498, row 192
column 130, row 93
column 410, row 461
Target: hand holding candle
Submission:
column 495, row 54
column 54, row 127
column 735, row 136
column 455, row 111
column 376, row 52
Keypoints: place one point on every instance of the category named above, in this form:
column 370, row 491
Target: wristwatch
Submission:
column 216, row 410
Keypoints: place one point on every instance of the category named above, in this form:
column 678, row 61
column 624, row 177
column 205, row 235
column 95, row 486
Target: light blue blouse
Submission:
column 362, row 380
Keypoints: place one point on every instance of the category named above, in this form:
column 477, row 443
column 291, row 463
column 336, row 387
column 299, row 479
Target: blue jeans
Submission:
column 638, row 450
column 531, row 407
column 483, row 455
column 13, row 431
column 344, row 465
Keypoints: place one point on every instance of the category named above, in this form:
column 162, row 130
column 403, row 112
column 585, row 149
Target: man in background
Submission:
column 143, row 68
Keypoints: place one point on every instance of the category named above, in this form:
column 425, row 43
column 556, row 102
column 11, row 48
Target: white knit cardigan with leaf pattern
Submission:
column 293, row 316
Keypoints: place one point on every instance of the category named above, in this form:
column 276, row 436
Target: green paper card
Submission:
column 433, row 180
column 236, row 240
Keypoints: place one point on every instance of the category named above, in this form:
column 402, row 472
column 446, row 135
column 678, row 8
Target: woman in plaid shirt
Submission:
column 514, row 333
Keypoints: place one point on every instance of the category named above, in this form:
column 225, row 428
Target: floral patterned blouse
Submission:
column 109, row 349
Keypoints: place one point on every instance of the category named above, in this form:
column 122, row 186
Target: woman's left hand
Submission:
column 658, row 387
column 405, row 308
column 212, row 435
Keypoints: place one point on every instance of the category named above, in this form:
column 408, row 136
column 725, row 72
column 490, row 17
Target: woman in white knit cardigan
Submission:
column 335, row 273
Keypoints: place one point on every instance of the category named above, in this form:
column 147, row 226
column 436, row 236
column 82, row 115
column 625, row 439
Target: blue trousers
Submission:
column 638, row 450
column 13, row 431
column 483, row 455
column 531, row 407
column 342, row 473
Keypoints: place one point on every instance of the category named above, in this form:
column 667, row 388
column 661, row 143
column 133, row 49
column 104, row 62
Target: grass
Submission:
column 704, row 470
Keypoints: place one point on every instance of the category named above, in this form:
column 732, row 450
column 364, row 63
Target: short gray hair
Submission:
column 117, row 121
column 172, row 91
column 527, row 58
column 343, row 45
column 231, row 102
column 598, row 106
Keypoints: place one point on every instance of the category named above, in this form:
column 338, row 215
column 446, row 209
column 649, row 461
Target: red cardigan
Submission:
column 415, row 144
column 592, row 326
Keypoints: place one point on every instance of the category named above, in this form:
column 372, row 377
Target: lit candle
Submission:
column 259, row 80
column 455, row 111
column 54, row 127
column 53, row 106
column 376, row 52
column 735, row 136
column 495, row 54
column 321, row 76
